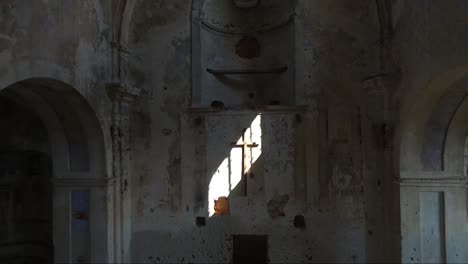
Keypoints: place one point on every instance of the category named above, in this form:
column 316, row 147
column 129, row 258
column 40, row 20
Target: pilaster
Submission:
column 122, row 96
column 433, row 218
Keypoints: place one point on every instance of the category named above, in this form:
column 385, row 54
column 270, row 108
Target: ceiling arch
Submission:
column 74, row 132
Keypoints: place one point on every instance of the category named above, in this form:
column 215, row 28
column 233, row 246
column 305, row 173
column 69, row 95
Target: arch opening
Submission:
column 52, row 175
column 432, row 173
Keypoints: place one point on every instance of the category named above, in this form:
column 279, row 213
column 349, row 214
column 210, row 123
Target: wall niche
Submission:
column 243, row 53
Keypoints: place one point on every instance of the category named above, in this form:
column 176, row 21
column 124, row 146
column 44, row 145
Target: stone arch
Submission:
column 69, row 119
column 424, row 111
column 127, row 15
column 455, row 140
column 121, row 18
column 439, row 122
column 77, row 151
column 432, row 135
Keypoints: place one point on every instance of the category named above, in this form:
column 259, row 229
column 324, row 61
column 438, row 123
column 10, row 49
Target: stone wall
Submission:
column 339, row 126
column 332, row 135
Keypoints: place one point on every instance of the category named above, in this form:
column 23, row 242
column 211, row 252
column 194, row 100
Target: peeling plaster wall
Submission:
column 328, row 159
column 62, row 40
column 337, row 153
column 66, row 41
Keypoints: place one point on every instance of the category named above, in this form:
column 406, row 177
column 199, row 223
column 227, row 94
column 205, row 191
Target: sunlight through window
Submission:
column 243, row 154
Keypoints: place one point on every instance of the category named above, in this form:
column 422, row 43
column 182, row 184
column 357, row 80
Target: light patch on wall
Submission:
column 243, row 154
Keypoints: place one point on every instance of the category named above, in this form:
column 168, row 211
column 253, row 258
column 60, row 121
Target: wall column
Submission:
column 122, row 96
column 433, row 219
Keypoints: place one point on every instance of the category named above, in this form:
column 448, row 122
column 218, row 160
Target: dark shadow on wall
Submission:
column 25, row 187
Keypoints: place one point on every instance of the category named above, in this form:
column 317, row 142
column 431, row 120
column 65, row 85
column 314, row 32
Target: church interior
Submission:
column 233, row 131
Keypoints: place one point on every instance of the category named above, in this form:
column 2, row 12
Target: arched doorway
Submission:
column 432, row 174
column 52, row 175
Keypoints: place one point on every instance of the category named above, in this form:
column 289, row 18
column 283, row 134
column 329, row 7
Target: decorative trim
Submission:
column 246, row 3
column 234, row 110
column 431, row 174
column 433, row 182
column 71, row 182
column 276, row 70
column 220, row 30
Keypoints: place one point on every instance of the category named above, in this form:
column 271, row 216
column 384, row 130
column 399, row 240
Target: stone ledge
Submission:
column 73, row 182
column 235, row 110
column 433, row 182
